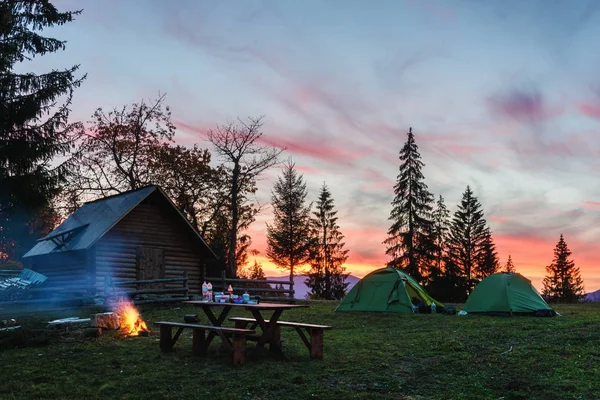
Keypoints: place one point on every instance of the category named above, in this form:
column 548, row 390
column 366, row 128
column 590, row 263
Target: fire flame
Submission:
column 131, row 322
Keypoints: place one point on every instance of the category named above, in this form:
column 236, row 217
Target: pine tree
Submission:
column 326, row 278
column 510, row 266
column 466, row 237
column 441, row 222
column 28, row 141
column 563, row 282
column 410, row 240
column 288, row 239
column 488, row 259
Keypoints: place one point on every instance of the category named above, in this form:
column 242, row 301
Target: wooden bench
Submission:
column 314, row 342
column 200, row 342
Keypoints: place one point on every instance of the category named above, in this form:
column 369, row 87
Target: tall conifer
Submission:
column 563, row 281
column 466, row 237
column 288, row 238
column 488, row 256
column 326, row 278
column 441, row 222
column 33, row 126
column 410, row 242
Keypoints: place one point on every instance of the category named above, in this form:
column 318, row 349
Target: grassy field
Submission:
column 367, row 356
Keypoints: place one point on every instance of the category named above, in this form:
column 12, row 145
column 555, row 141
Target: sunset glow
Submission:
column 531, row 257
column 500, row 97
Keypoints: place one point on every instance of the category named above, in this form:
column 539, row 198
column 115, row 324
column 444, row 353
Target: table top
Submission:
column 260, row 306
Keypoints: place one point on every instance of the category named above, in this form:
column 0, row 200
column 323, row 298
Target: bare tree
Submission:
column 114, row 153
column 239, row 146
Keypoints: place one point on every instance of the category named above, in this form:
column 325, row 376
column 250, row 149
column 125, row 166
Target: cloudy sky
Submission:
column 501, row 95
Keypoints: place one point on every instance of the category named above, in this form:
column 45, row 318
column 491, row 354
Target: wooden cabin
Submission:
column 136, row 235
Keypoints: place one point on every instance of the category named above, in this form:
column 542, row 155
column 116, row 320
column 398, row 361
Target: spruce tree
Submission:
column 410, row 241
column 34, row 129
column 441, row 221
column 488, row 258
column 444, row 281
column 563, row 281
column 510, row 266
column 326, row 278
column 466, row 237
column 288, row 238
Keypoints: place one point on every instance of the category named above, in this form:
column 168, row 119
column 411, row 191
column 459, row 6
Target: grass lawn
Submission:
column 366, row 356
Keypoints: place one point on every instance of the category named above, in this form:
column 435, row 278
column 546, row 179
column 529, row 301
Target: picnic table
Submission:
column 235, row 338
column 269, row 327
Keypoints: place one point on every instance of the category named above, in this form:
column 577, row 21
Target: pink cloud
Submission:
column 302, row 91
column 308, row 170
column 594, row 205
column 591, row 110
column 318, row 148
column 310, row 144
column 523, row 106
column 199, row 130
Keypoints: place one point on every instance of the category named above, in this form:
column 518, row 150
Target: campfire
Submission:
column 125, row 317
column 130, row 320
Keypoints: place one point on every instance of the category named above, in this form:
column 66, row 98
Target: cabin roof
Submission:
column 94, row 219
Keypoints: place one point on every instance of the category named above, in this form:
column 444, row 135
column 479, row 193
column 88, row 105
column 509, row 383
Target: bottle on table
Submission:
column 433, row 308
column 210, row 291
column 230, row 291
column 204, row 292
column 245, row 297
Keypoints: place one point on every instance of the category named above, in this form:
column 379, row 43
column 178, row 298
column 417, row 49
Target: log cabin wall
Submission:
column 66, row 272
column 150, row 231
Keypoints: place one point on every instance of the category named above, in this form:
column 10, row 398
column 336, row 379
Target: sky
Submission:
column 503, row 96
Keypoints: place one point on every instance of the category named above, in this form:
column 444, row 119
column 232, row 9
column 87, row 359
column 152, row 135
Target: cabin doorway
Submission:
column 150, row 264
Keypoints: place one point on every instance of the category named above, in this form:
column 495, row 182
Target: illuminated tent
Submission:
column 386, row 289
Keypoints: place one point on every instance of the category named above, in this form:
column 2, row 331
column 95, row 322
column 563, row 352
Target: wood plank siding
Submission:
column 151, row 225
column 67, row 271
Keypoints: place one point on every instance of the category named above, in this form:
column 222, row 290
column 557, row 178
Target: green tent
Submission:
column 386, row 289
column 505, row 293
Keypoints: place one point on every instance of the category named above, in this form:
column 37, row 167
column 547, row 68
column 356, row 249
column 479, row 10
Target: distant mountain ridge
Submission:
column 300, row 288
column 594, row 296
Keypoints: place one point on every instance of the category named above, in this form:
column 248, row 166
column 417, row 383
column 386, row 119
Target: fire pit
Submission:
column 125, row 318
column 131, row 322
